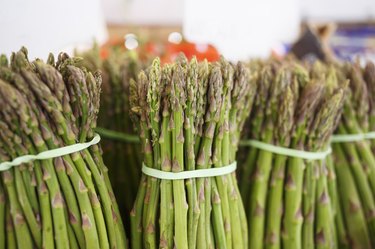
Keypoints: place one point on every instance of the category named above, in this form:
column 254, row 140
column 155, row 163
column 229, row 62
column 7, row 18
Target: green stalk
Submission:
column 153, row 101
column 57, row 205
column 2, row 216
column 203, row 160
column 22, row 233
column 364, row 148
column 293, row 200
column 274, row 204
column 110, row 214
column 275, row 196
column 11, row 241
column 221, row 158
column 208, row 206
column 262, row 172
column 307, row 113
column 350, row 201
column 258, row 194
column 136, row 216
column 203, row 77
column 113, row 68
column 119, row 227
column 87, row 211
column 19, row 193
column 324, row 234
column 217, row 219
column 166, row 202
column 141, row 203
column 26, row 207
column 189, row 133
column 118, row 69
column 45, row 209
column 28, row 177
column 73, row 244
column 362, row 184
column 139, row 220
column 245, row 185
column 78, row 79
column 257, row 121
column 179, row 195
column 242, row 96
column 201, row 235
column 309, row 202
column 341, row 234
column 70, row 198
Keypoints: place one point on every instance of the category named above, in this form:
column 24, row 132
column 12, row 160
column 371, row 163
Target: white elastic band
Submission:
column 340, row 138
column 287, row 151
column 48, row 154
column 225, row 170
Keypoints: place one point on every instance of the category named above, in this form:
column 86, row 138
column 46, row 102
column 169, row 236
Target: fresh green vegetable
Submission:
column 189, row 116
column 355, row 161
column 287, row 198
column 65, row 202
column 121, row 151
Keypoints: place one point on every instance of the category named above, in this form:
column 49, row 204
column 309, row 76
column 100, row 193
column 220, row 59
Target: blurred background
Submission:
column 238, row 29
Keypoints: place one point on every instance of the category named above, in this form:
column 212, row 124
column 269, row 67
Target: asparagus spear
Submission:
column 264, row 161
column 189, row 155
column 2, row 216
column 275, row 195
column 118, row 68
column 166, row 202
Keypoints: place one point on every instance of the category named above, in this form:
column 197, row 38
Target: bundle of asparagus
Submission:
column 286, row 197
column 189, row 116
column 354, row 160
column 62, row 202
column 121, row 151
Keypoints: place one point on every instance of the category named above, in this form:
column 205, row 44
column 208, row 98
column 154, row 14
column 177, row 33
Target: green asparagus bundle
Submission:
column 354, row 160
column 287, row 198
column 121, row 148
column 61, row 202
column 189, row 116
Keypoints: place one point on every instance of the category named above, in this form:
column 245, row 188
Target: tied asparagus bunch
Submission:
column 287, row 198
column 189, row 116
column 122, row 156
column 354, row 162
column 64, row 202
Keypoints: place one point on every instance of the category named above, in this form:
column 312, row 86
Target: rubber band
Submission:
column 308, row 155
column 116, row 135
column 49, row 154
column 342, row 138
column 198, row 173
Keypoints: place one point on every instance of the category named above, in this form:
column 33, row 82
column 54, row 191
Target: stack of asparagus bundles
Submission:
column 121, row 150
column 354, row 160
column 284, row 181
column 189, row 117
column 58, row 202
